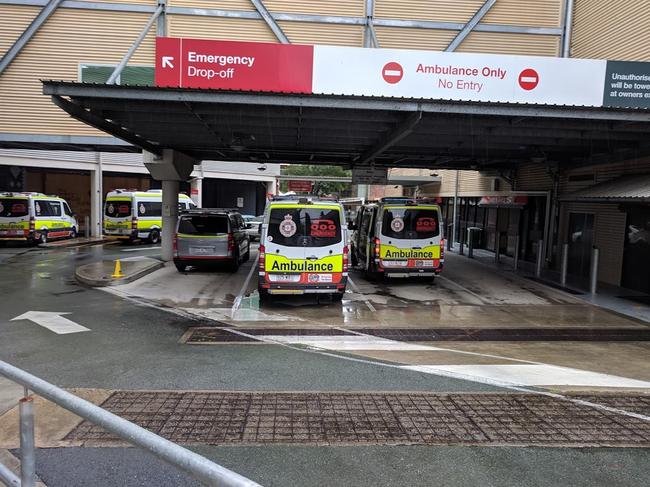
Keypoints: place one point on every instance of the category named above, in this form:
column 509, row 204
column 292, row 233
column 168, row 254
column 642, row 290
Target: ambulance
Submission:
column 130, row 214
column 35, row 218
column 303, row 247
column 399, row 237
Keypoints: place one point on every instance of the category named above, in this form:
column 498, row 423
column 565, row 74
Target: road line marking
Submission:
column 140, row 249
column 348, row 342
column 477, row 296
column 243, row 289
column 356, row 289
column 53, row 321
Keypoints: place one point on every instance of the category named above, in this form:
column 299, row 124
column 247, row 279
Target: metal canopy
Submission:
column 348, row 131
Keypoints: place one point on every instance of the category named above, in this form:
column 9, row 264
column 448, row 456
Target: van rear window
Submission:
column 13, row 207
column 203, row 224
column 118, row 208
column 410, row 223
column 305, row 227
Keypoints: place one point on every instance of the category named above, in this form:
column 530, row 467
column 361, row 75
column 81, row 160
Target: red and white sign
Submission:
column 528, row 79
column 392, row 72
column 195, row 63
column 300, row 186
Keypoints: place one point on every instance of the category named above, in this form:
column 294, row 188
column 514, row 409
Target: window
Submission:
column 130, row 75
column 66, row 209
column 203, row 225
column 406, row 223
column 118, row 208
column 47, row 208
column 305, row 227
column 13, row 207
column 149, row 208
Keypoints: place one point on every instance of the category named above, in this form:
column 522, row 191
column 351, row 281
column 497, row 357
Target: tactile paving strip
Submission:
column 330, row 418
column 202, row 335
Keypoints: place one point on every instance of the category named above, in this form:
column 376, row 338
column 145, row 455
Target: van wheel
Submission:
column 43, row 238
column 337, row 297
column 154, row 236
column 354, row 259
column 234, row 266
column 73, row 233
column 247, row 255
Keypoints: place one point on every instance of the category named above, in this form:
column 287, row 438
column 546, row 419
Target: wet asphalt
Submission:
column 137, row 347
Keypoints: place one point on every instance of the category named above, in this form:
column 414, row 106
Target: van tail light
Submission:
column 262, row 254
column 345, row 258
column 134, row 224
column 231, row 243
column 442, row 248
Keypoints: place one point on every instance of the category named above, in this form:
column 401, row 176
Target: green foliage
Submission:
column 320, row 188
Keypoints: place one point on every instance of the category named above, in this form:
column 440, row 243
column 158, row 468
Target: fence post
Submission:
column 470, row 243
column 87, row 226
column 565, row 264
column 516, row 259
column 594, row 270
column 450, row 237
column 497, row 247
column 27, row 446
column 540, row 258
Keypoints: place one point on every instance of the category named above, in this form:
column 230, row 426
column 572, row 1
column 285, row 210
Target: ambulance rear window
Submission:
column 118, row 208
column 410, row 223
column 13, row 207
column 203, row 224
column 305, row 227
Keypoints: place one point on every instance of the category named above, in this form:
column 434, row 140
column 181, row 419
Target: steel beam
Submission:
column 79, row 113
column 291, row 17
column 161, row 27
column 567, row 28
column 122, row 64
column 270, row 21
column 28, row 33
column 370, row 36
column 401, row 131
column 470, row 25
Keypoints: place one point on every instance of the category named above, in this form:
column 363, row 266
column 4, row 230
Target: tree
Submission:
column 320, row 188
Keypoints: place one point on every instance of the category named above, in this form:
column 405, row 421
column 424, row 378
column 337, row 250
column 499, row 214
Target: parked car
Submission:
column 205, row 236
column 253, row 226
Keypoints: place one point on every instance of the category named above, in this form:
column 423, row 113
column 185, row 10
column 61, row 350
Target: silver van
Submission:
column 205, row 236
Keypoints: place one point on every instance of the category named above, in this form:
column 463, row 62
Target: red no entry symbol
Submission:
column 528, row 79
column 392, row 72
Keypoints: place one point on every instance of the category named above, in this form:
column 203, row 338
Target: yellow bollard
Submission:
column 117, row 272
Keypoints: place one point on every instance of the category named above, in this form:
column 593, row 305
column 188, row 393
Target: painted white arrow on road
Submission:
column 53, row 321
column 167, row 62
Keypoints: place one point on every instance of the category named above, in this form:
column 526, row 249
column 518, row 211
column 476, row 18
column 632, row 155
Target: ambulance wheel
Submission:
column 154, row 236
column 43, row 237
column 73, row 233
column 337, row 297
column 180, row 266
column 247, row 255
column 265, row 297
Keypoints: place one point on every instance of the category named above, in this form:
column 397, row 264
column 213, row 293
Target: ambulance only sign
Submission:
column 290, row 68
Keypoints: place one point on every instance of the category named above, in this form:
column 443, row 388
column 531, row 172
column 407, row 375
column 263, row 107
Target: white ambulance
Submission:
column 303, row 247
column 399, row 237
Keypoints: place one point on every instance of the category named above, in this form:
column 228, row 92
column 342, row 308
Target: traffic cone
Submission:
column 117, row 272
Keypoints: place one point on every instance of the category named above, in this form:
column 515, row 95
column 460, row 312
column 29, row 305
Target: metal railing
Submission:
column 202, row 469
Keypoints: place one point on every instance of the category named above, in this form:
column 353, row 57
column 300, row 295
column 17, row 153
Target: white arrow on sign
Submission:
column 53, row 321
column 167, row 62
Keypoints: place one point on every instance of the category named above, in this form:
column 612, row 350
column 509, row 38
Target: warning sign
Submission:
column 392, row 72
column 627, row 84
column 528, row 79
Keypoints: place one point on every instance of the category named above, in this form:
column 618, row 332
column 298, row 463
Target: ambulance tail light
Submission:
column 262, row 253
column 134, row 224
column 231, row 243
column 345, row 258
column 175, row 246
column 442, row 249
column 32, row 223
column 377, row 247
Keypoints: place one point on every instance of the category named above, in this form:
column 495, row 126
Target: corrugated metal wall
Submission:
column 352, row 8
column 311, row 33
column 611, row 29
column 219, row 28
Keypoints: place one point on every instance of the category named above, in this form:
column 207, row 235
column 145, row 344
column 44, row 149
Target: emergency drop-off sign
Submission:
column 290, row 68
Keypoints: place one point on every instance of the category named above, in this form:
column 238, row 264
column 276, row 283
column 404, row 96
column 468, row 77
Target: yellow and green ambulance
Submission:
column 399, row 237
column 131, row 215
column 35, row 217
column 303, row 247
